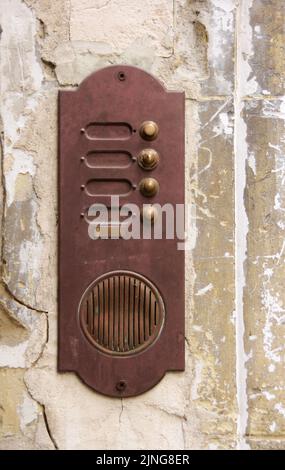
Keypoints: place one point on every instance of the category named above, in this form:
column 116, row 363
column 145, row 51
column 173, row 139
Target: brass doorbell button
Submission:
column 149, row 213
column 149, row 130
column 149, row 187
column 148, row 159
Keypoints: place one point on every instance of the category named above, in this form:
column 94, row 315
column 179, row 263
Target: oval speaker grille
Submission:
column 121, row 313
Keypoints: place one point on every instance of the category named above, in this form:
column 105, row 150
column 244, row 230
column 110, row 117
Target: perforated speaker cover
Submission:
column 121, row 313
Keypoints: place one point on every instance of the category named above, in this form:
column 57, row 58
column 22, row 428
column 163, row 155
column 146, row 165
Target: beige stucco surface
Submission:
column 228, row 56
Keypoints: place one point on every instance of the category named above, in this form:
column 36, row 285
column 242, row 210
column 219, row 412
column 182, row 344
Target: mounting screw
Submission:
column 121, row 385
column 121, row 76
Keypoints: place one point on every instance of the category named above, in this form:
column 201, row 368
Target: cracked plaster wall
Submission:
column 228, row 55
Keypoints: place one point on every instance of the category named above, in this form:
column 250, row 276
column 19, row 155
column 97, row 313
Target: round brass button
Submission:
column 149, row 130
column 148, row 159
column 149, row 186
column 149, row 213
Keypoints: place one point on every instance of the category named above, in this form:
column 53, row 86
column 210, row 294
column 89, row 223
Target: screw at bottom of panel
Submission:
column 121, row 386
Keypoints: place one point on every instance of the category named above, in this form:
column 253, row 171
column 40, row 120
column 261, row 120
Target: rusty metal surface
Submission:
column 102, row 118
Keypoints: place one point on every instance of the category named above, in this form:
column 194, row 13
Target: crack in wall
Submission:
column 121, row 412
column 6, row 291
column 3, row 195
column 48, row 428
column 19, row 301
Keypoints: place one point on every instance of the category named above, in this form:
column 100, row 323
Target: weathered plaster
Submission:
column 260, row 142
column 227, row 55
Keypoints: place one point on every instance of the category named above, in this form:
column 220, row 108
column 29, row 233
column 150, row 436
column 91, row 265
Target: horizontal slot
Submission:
column 104, row 159
column 107, row 213
column 108, row 230
column 108, row 187
column 109, row 130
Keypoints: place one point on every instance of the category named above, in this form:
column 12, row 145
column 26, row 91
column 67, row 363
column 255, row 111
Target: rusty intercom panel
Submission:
column 121, row 300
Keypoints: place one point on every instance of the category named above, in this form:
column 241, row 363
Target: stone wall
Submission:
column 228, row 56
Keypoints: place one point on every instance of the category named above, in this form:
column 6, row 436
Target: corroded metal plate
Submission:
column 100, row 140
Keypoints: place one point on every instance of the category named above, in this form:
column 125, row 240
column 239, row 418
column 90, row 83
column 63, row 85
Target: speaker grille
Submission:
column 121, row 313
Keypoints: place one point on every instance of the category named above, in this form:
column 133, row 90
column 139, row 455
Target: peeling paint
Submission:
column 275, row 313
column 13, row 356
column 241, row 231
column 220, row 32
column 252, row 162
column 197, row 380
column 28, row 412
column 205, row 289
column 280, row 408
column 227, row 126
column 23, row 163
column 273, row 427
column 247, row 81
